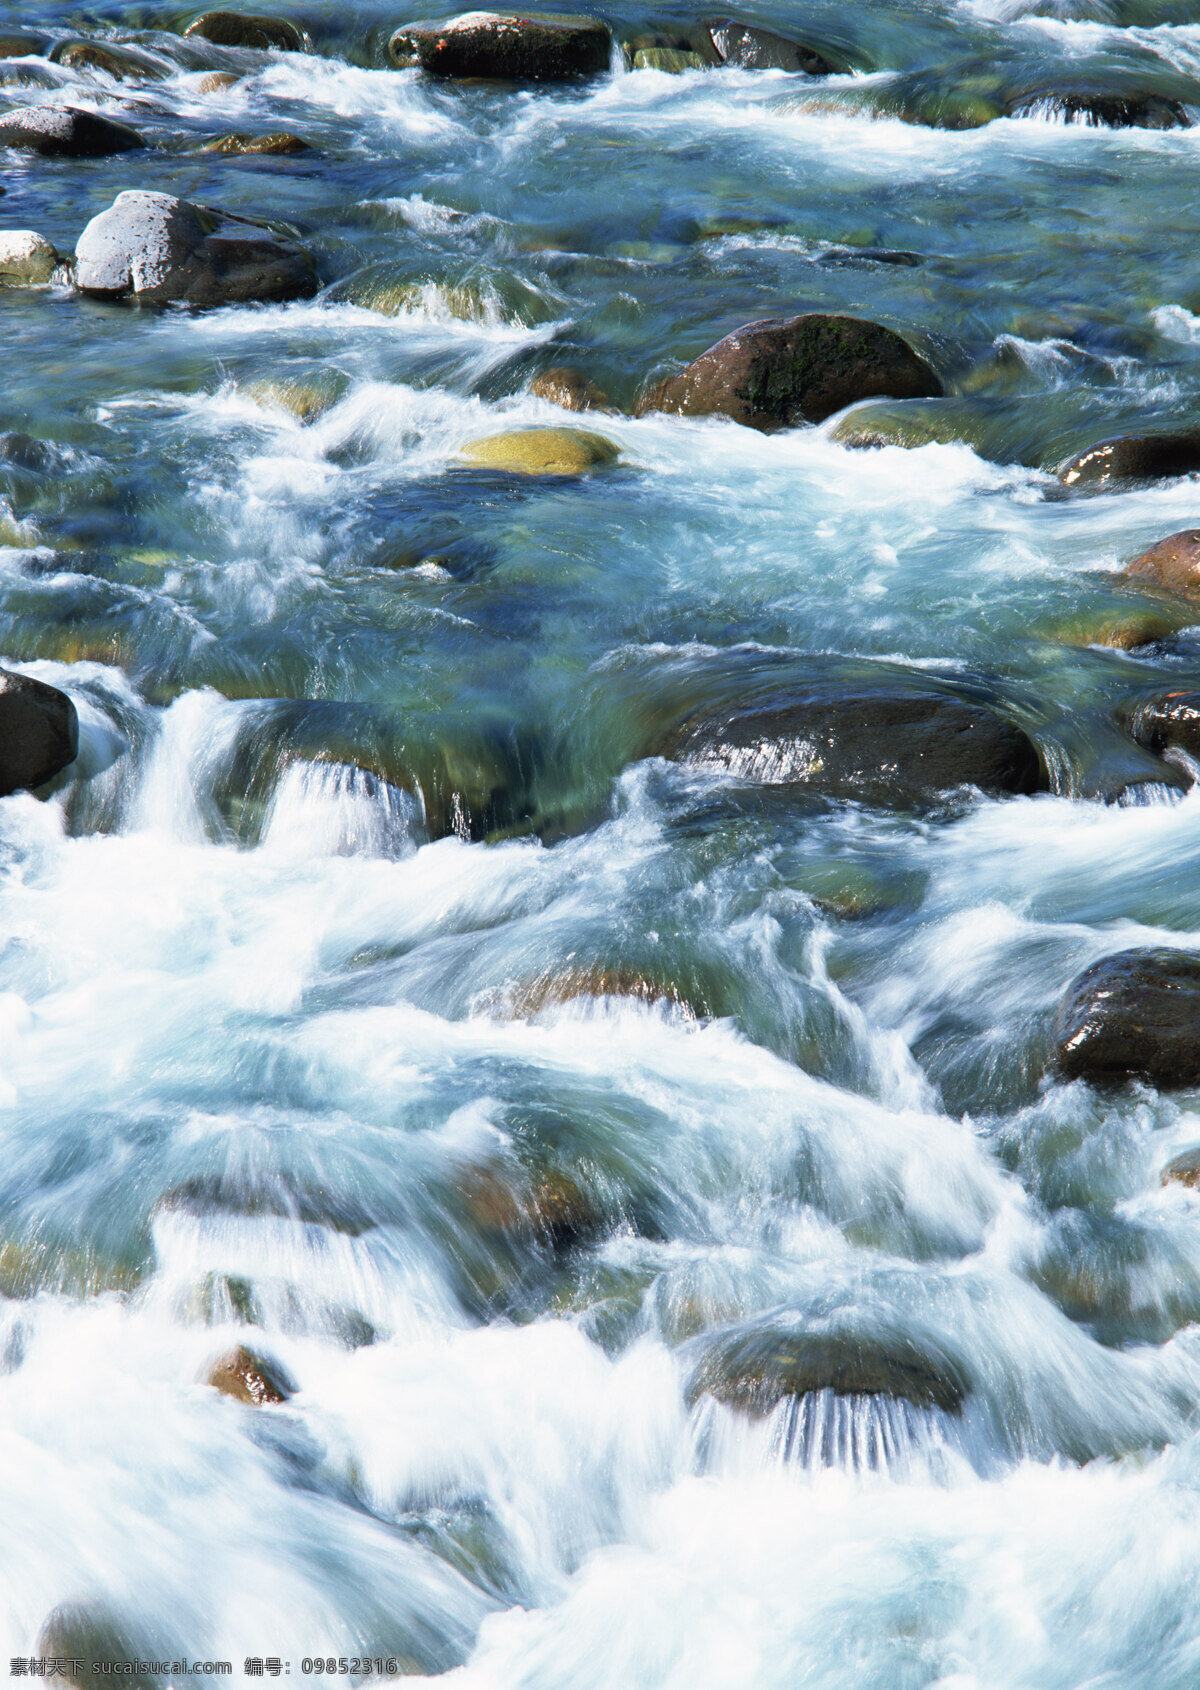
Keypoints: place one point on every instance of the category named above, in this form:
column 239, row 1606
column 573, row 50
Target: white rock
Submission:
column 25, row 257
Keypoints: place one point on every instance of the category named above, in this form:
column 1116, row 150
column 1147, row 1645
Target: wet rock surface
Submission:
column 1172, row 563
column 25, row 257
column 250, row 1378
column 1132, row 457
column 66, row 132
column 548, row 47
column 782, row 372
column 39, row 732
column 155, row 249
column 755, row 1370
column 885, row 743
column 750, row 47
column 1132, row 1015
column 248, row 29
column 542, row 451
column 571, row 388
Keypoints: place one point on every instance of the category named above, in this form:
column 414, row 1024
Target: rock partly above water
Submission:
column 26, row 258
column 86, row 1640
column 1171, row 722
column 1132, row 1015
column 279, row 142
column 881, row 744
column 563, row 385
column 542, row 451
column 246, row 29
column 780, row 372
column 504, row 46
column 250, row 1378
column 1102, row 108
column 123, row 64
column 39, row 732
column 754, row 1370
column 1133, row 457
column 750, row 47
column 157, row 249
column 65, row 132
column 1172, row 563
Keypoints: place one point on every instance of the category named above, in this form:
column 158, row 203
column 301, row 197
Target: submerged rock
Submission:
column 542, row 451
column 39, row 732
column 886, row 744
column 23, row 43
column 216, row 80
column 547, row 1206
column 250, row 1378
column 673, row 61
column 504, row 46
column 780, row 372
column 530, row 997
column 563, row 385
column 155, row 249
column 1134, row 1014
column 307, row 397
column 754, row 1370
column 245, row 29
column 1173, row 563
column 1183, row 1170
column 85, row 1641
column 26, row 258
column 1132, row 457
column 1103, row 109
column 65, row 132
column 123, row 63
column 750, row 47
column 237, row 146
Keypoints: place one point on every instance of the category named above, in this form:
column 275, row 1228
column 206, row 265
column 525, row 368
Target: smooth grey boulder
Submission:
column 158, row 249
column 39, row 732
column 66, row 132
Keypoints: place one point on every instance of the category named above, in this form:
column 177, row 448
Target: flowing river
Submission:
column 369, row 996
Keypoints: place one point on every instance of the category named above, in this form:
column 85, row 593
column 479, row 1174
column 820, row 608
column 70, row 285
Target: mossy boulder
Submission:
column 276, row 144
column 244, row 29
column 781, row 372
column 542, row 451
column 1135, row 1014
column 504, row 46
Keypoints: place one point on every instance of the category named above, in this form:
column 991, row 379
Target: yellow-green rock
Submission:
column 238, row 146
column 542, row 451
column 673, row 60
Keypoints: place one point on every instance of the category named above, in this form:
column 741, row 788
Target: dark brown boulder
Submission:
column 250, row 1378
column 1132, row 457
column 751, row 48
column 65, row 132
column 781, row 372
column 1173, row 563
column 1132, row 1015
column 755, row 1369
column 883, row 744
column 23, row 43
column 243, row 29
column 39, row 732
column 569, row 388
column 1169, row 722
column 504, row 46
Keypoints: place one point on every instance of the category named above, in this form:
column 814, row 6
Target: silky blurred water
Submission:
column 483, row 1128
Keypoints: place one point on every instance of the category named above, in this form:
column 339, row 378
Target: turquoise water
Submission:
column 284, row 1057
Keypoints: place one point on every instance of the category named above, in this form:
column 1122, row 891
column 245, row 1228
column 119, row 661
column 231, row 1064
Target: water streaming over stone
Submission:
column 640, row 1175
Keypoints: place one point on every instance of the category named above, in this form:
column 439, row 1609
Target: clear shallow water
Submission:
column 277, row 1068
